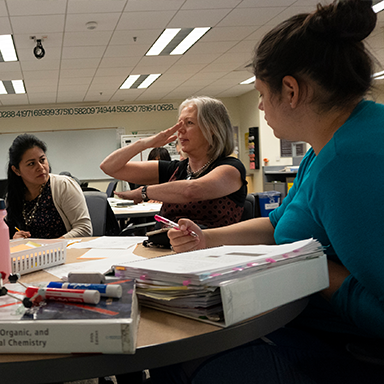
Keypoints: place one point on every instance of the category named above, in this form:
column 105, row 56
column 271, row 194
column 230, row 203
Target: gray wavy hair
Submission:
column 215, row 124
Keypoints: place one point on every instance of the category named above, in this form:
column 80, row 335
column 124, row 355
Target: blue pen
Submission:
column 108, row 290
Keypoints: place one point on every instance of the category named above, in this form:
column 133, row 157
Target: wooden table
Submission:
column 163, row 339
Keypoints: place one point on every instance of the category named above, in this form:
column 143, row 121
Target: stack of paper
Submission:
column 216, row 283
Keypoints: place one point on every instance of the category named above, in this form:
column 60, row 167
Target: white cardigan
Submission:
column 69, row 201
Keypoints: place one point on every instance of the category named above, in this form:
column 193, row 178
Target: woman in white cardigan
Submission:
column 40, row 204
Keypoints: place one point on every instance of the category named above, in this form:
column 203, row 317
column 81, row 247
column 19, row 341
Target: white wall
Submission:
column 243, row 111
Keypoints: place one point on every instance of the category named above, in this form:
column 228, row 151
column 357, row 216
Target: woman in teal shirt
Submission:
column 312, row 73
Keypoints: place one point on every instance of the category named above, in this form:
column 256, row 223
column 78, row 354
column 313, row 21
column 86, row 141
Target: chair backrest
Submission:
column 111, row 188
column 249, row 207
column 97, row 207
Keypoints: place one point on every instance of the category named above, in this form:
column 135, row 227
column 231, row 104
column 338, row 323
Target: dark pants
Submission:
column 286, row 356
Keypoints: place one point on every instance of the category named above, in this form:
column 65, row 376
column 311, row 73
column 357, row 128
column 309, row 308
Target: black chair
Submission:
column 249, row 208
column 111, row 188
column 103, row 219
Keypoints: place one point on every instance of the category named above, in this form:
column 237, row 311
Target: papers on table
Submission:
column 122, row 205
column 110, row 242
column 112, row 254
column 138, row 208
column 213, row 265
column 114, row 202
column 107, row 251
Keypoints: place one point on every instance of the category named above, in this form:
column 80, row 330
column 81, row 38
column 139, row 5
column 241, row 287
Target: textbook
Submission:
column 226, row 285
column 69, row 327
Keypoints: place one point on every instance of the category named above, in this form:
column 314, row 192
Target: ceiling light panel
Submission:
column 149, row 80
column 3, row 91
column 377, row 74
column 164, row 39
column 11, row 87
column 249, row 81
column 139, row 81
column 191, row 39
column 129, row 81
column 176, row 41
column 18, row 86
column 7, row 48
column 378, row 7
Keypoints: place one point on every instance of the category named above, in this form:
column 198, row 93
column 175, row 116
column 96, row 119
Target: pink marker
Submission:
column 172, row 224
column 77, row 295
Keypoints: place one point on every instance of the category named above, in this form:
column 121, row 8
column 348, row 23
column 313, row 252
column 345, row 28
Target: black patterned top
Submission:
column 46, row 223
column 206, row 213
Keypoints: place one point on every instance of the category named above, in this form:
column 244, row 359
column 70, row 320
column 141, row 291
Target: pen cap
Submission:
column 91, row 297
column 114, row 291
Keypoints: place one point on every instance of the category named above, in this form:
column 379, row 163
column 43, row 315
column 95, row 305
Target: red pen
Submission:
column 77, row 295
column 172, row 224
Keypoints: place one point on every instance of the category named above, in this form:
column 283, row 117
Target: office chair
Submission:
column 111, row 188
column 103, row 220
column 249, row 208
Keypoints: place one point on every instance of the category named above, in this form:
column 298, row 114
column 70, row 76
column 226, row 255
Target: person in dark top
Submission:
column 159, row 153
column 209, row 186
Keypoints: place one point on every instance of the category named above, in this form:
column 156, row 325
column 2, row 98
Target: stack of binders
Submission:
column 228, row 284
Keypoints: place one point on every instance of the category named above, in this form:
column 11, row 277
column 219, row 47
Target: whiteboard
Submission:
column 143, row 156
column 79, row 152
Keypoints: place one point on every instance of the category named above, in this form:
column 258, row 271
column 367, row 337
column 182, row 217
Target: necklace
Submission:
column 194, row 175
column 29, row 216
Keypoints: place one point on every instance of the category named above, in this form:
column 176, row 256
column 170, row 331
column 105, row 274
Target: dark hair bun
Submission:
column 344, row 20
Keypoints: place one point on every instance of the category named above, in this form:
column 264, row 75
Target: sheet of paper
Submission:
column 146, row 207
column 101, row 266
column 142, row 207
column 110, row 242
column 106, row 253
column 25, row 247
column 230, row 257
column 114, row 202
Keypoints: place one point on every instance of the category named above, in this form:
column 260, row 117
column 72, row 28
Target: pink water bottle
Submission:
column 5, row 253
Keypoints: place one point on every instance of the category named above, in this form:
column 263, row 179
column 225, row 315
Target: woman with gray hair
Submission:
column 208, row 187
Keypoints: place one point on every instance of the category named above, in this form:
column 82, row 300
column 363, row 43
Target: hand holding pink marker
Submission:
column 172, row 224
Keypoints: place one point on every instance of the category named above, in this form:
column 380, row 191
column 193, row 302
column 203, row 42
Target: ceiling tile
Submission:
column 92, row 6
column 153, row 5
column 105, row 21
column 140, row 20
column 250, row 16
column 195, row 18
column 98, row 61
column 36, row 7
column 37, row 25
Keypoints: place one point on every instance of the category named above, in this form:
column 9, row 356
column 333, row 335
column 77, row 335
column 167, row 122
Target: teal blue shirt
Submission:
column 337, row 198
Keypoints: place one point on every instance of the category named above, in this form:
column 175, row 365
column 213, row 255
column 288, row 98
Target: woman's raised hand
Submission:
column 163, row 137
column 182, row 240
